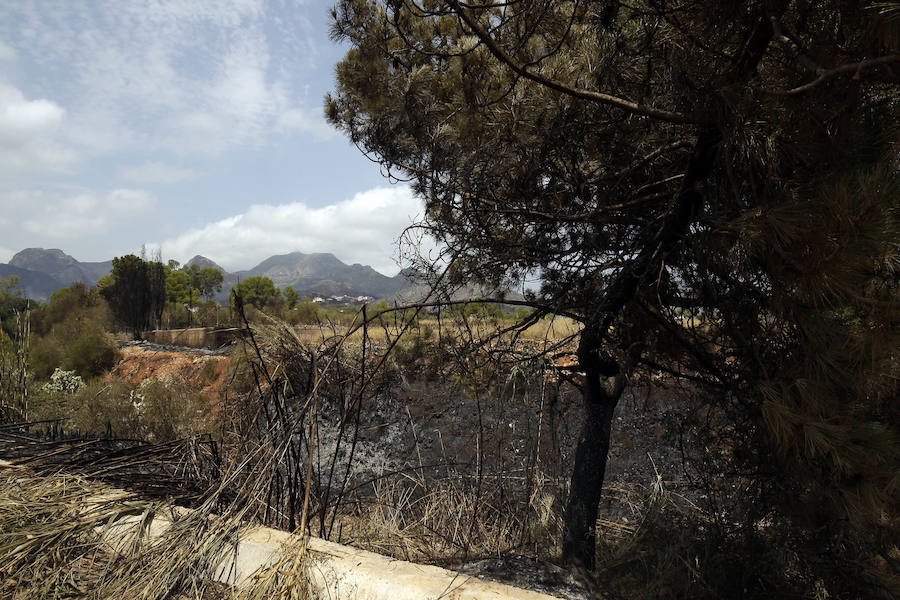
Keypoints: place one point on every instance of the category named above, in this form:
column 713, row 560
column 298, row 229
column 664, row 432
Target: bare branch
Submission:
column 855, row 68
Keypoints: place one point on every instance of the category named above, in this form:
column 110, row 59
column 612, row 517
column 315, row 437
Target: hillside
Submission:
column 325, row 274
column 43, row 271
column 32, row 284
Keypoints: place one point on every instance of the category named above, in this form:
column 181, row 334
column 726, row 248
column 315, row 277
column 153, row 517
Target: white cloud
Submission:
column 156, row 173
column 363, row 229
column 129, row 201
column 74, row 215
column 29, row 130
column 193, row 77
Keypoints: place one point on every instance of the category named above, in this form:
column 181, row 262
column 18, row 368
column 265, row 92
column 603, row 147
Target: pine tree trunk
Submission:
column 600, row 397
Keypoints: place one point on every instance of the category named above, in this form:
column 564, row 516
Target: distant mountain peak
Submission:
column 42, row 271
column 202, row 262
column 42, row 259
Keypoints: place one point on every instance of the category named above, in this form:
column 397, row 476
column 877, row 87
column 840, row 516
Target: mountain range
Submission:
column 43, row 271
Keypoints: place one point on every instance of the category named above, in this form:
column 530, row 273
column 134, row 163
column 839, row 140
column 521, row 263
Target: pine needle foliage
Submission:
column 710, row 189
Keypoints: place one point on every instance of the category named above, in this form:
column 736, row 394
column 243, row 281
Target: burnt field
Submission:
column 450, row 446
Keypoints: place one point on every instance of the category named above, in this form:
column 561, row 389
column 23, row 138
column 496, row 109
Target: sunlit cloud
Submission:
column 29, row 133
column 363, row 229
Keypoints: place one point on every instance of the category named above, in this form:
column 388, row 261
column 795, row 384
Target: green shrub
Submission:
column 45, row 357
column 64, row 383
column 91, row 354
column 176, row 316
column 75, row 308
column 105, row 408
column 208, row 315
column 169, row 411
column 6, row 344
column 52, row 400
column 155, row 411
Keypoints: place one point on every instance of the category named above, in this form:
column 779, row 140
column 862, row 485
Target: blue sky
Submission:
column 191, row 125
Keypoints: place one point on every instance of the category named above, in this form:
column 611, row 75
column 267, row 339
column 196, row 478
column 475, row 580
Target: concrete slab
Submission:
column 334, row 571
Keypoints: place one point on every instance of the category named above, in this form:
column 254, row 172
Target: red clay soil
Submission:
column 202, row 373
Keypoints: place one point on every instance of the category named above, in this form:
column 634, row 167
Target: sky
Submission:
column 195, row 127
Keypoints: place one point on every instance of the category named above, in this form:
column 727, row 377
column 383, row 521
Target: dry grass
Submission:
column 444, row 522
column 552, row 329
column 549, row 329
column 57, row 541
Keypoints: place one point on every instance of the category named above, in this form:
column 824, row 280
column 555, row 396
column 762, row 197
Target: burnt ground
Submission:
column 514, row 438
column 431, row 431
column 422, row 428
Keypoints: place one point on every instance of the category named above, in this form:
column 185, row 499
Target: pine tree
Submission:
column 709, row 188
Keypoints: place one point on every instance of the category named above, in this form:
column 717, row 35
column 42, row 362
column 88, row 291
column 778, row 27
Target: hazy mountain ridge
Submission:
column 32, row 284
column 325, row 274
column 43, row 271
column 60, row 266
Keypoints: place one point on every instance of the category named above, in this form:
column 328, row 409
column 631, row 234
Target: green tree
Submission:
column 201, row 282
column 736, row 163
column 291, row 296
column 9, row 286
column 209, row 282
column 178, row 286
column 11, row 304
column 256, row 290
column 72, row 313
column 14, row 373
column 137, row 292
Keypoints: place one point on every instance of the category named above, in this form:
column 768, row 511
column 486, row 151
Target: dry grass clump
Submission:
column 49, row 543
column 66, row 537
column 449, row 521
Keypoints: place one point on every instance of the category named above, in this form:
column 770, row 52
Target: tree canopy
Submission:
column 135, row 291
column 207, row 280
column 11, row 304
column 256, row 290
column 291, row 296
column 709, row 188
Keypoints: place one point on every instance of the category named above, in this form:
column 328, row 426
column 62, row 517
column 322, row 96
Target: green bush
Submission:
column 45, row 356
column 64, row 383
column 52, row 400
column 176, row 316
column 75, row 308
column 169, row 411
column 154, row 411
column 91, row 354
column 6, row 344
column 105, row 408
column 306, row 312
